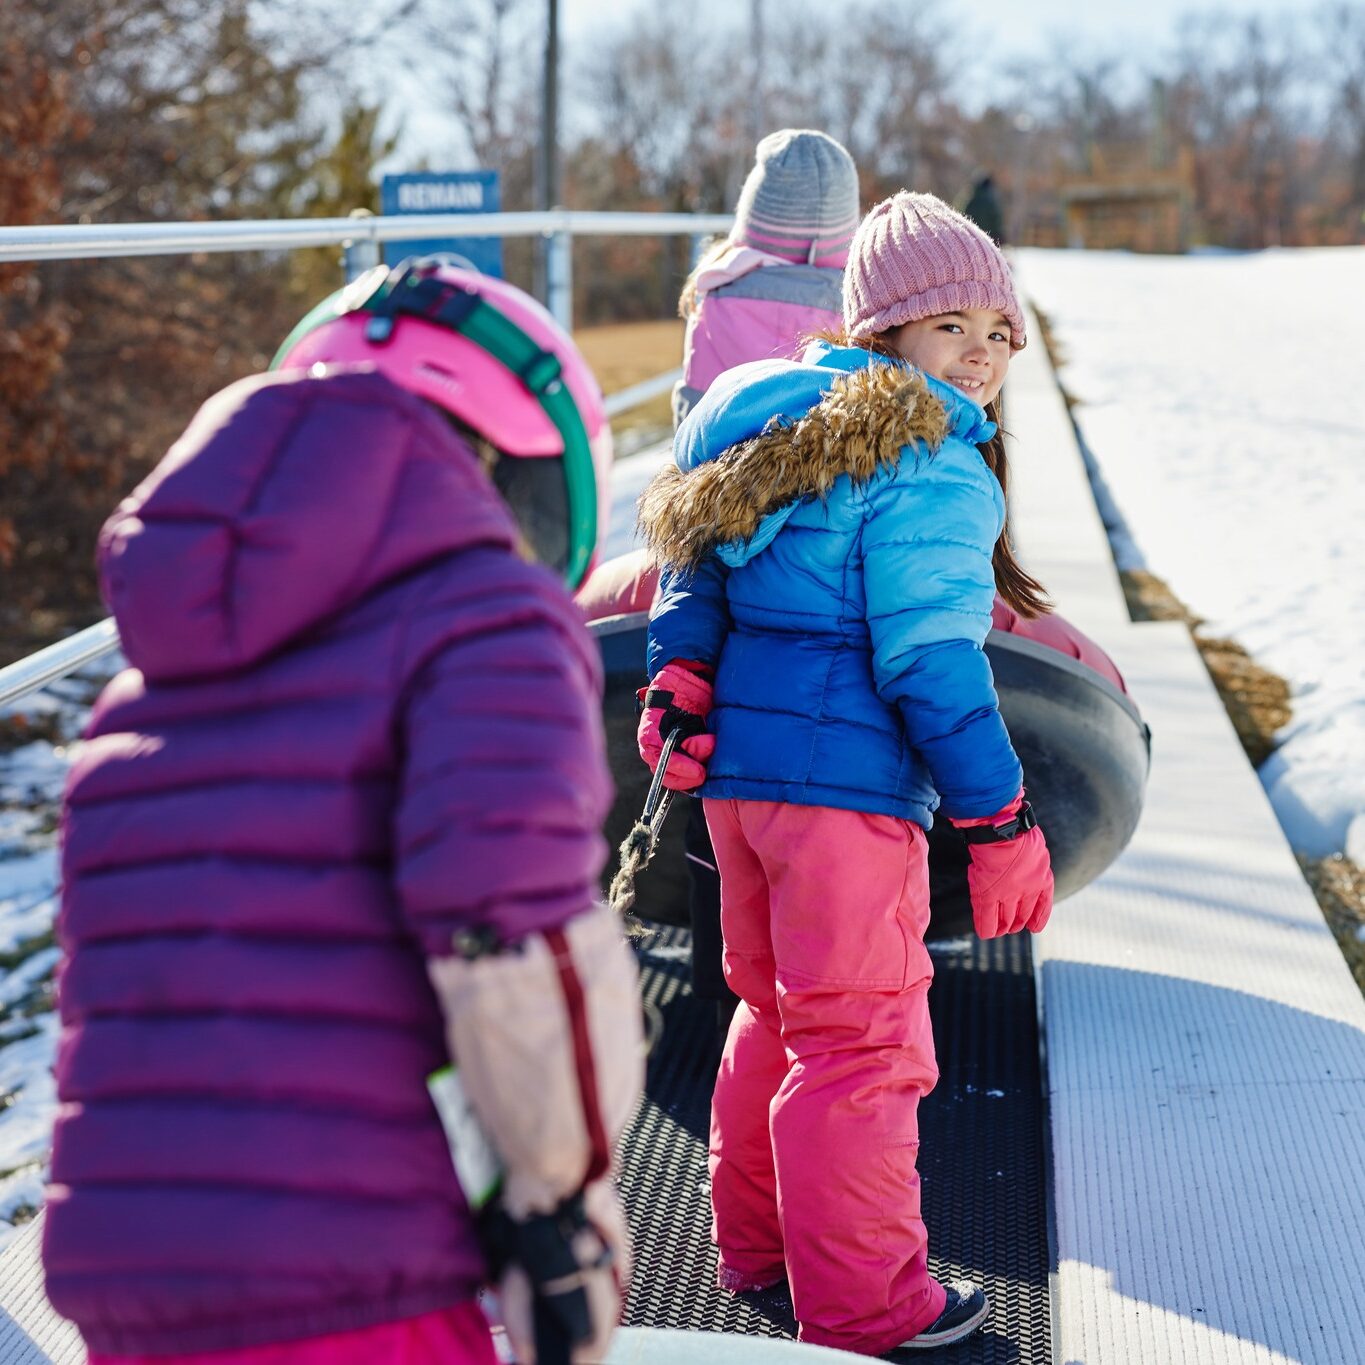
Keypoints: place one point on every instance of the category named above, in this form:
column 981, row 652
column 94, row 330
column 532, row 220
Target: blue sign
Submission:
column 444, row 192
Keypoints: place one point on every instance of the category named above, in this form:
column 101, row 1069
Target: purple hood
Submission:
column 288, row 498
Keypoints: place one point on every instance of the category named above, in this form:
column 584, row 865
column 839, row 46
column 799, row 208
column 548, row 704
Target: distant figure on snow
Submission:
column 983, row 208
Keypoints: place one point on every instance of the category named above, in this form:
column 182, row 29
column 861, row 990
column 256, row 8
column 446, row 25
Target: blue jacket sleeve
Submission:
column 927, row 545
column 690, row 617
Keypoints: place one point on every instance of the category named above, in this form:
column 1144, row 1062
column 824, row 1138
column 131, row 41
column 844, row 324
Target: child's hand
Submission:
column 1010, row 880
column 678, row 696
column 582, row 1283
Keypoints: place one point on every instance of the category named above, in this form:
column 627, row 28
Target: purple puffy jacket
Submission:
column 356, row 722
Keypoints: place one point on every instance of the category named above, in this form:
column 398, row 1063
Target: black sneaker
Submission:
column 962, row 1314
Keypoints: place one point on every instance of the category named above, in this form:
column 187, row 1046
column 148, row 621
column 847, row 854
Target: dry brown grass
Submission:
column 1257, row 700
column 1257, row 703
column 624, row 353
column 1339, row 886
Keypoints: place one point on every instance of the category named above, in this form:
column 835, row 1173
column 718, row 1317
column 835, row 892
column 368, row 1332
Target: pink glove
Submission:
column 1010, row 880
column 679, row 695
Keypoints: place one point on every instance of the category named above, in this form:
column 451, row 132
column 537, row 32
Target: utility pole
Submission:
column 547, row 180
column 757, row 112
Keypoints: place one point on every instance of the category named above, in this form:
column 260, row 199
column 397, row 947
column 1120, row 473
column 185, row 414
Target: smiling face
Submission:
column 969, row 349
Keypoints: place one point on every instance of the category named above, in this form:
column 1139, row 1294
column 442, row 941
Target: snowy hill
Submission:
column 1218, row 396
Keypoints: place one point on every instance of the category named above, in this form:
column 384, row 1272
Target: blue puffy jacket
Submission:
column 827, row 536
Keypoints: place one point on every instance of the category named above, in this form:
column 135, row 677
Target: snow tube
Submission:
column 1078, row 734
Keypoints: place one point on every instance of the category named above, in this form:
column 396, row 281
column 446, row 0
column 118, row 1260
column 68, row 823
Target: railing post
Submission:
column 359, row 255
column 559, row 277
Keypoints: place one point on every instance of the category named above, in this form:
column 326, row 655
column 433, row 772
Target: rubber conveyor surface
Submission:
column 981, row 1156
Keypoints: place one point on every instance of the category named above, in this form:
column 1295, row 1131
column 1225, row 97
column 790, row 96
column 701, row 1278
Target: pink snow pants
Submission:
column 453, row 1336
column 814, row 1128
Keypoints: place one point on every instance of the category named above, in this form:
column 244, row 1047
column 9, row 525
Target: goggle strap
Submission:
column 415, row 294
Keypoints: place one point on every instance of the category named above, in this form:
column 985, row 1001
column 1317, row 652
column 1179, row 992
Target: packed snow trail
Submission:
column 1216, row 395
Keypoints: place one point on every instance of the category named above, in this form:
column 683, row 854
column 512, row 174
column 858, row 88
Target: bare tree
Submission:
column 1235, row 98
column 672, row 101
column 480, row 60
column 172, row 110
column 1339, row 60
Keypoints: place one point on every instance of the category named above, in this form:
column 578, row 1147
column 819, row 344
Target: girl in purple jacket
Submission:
column 337, row 825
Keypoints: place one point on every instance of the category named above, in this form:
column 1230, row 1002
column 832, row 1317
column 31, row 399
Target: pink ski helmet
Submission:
column 492, row 357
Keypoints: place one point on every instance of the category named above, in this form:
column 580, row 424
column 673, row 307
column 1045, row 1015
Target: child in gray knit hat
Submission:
column 775, row 280
column 777, row 277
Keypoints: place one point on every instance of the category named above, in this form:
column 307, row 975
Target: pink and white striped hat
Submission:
column 800, row 200
column 916, row 257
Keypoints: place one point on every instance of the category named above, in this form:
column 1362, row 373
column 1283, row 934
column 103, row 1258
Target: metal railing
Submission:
column 643, row 392
column 362, row 236
column 57, row 661
column 87, row 646
column 69, row 242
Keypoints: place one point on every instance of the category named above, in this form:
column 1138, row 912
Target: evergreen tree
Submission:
column 338, row 179
column 176, row 111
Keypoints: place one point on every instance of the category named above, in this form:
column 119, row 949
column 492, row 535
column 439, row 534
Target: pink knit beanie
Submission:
column 914, row 257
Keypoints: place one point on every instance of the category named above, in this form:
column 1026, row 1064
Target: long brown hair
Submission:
column 1013, row 582
column 714, row 249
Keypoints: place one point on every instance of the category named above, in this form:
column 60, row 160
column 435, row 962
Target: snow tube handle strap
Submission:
column 675, row 719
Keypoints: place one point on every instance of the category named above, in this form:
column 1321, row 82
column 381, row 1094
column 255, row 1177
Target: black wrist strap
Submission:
column 543, row 1246
column 1001, row 834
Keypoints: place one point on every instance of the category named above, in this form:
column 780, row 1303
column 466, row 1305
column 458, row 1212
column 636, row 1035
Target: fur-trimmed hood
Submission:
column 848, row 413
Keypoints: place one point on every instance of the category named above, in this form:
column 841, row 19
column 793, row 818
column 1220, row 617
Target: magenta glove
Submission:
column 1011, row 880
column 679, row 695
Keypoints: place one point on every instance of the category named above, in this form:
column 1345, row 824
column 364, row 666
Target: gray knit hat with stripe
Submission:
column 800, row 201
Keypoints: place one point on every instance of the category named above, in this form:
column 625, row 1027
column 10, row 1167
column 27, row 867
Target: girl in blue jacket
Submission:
column 833, row 535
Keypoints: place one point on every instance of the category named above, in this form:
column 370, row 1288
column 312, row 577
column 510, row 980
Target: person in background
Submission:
column 983, row 208
column 337, row 825
column 833, row 534
column 759, row 292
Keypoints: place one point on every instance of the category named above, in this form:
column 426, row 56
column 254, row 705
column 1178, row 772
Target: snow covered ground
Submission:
column 1218, row 395
column 31, row 778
